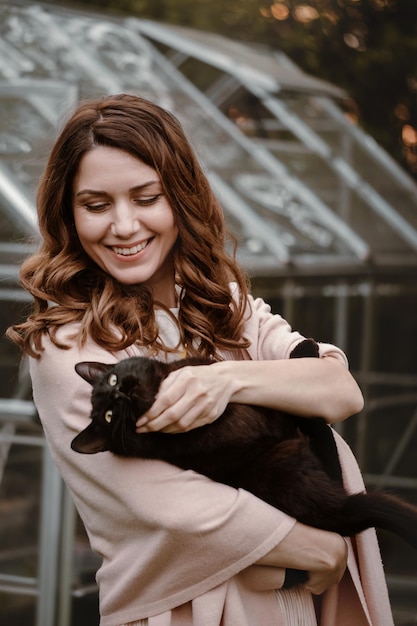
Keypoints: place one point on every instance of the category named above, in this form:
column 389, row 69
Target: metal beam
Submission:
column 18, row 205
column 252, row 223
column 341, row 167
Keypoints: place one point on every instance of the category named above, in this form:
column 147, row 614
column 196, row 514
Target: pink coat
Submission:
column 176, row 547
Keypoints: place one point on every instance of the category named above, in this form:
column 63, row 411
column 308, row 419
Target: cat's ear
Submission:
column 90, row 440
column 91, row 370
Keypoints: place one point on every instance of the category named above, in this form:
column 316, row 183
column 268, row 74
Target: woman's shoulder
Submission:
column 64, row 349
column 272, row 336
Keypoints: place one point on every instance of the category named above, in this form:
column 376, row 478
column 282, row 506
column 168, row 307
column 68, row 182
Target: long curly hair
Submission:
column 67, row 286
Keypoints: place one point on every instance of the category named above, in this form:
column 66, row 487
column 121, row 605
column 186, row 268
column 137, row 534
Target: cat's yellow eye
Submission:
column 108, row 416
column 112, row 380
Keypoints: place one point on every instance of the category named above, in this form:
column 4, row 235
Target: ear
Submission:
column 90, row 440
column 91, row 370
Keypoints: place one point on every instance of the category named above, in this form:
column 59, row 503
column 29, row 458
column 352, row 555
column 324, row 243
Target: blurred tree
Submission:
column 368, row 47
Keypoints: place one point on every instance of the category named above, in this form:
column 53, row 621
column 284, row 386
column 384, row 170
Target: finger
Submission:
column 169, row 416
column 163, row 401
column 146, row 425
column 318, row 585
column 186, row 423
column 319, row 582
column 180, row 418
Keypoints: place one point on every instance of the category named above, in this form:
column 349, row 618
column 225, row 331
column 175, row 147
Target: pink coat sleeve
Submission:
column 273, row 338
column 364, row 585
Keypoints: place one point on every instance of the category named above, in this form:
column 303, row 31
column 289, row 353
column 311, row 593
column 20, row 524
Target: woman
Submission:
column 133, row 262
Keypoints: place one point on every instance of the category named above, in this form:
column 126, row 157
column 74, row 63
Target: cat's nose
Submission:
column 117, row 394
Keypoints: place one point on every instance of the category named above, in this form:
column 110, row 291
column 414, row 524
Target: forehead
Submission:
column 103, row 166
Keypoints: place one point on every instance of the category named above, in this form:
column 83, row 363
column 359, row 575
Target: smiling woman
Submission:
column 133, row 262
column 151, row 140
column 124, row 221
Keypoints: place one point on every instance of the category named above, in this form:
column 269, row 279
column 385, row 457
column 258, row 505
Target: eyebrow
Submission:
column 141, row 187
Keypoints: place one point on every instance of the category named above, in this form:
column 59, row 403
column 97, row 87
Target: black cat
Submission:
column 288, row 461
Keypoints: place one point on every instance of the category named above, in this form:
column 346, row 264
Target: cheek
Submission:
column 89, row 228
column 174, row 233
column 79, row 222
column 170, row 240
column 170, row 226
column 164, row 225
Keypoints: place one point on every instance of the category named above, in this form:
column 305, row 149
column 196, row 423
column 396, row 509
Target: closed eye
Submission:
column 147, row 200
column 97, row 208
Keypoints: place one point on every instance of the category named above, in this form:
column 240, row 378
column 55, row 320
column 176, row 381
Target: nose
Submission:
column 117, row 393
column 125, row 221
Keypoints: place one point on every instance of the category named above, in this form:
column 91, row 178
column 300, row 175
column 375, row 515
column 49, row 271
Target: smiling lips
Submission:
column 130, row 251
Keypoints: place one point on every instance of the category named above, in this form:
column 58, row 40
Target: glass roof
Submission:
column 303, row 188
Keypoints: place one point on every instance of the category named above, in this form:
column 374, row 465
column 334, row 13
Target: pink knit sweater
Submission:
column 177, row 548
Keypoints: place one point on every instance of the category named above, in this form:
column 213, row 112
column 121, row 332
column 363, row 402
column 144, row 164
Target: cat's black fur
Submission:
column 288, row 461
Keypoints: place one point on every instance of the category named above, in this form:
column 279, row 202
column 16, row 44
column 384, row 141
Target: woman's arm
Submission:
column 321, row 553
column 310, row 387
column 307, row 387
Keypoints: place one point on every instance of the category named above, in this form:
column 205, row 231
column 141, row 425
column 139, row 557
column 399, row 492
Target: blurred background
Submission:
column 304, row 114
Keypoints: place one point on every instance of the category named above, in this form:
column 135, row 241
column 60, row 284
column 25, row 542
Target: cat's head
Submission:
column 122, row 392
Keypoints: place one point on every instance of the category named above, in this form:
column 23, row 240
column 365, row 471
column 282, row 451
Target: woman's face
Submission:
column 123, row 220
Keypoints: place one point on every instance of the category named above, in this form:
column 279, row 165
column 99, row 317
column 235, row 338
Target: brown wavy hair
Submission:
column 67, row 286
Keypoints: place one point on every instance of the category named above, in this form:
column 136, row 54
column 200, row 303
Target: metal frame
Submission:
column 54, row 562
column 267, row 89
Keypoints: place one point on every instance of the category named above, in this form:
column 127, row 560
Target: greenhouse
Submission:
column 326, row 224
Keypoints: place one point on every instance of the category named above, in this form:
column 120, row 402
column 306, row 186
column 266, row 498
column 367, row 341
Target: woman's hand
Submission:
column 321, row 553
column 330, row 572
column 189, row 397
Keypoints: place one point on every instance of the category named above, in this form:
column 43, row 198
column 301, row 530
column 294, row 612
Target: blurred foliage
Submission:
column 368, row 47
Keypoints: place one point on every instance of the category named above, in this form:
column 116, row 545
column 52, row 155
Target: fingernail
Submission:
column 141, row 422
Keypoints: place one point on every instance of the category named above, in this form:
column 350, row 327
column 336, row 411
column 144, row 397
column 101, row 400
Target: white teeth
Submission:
column 128, row 251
